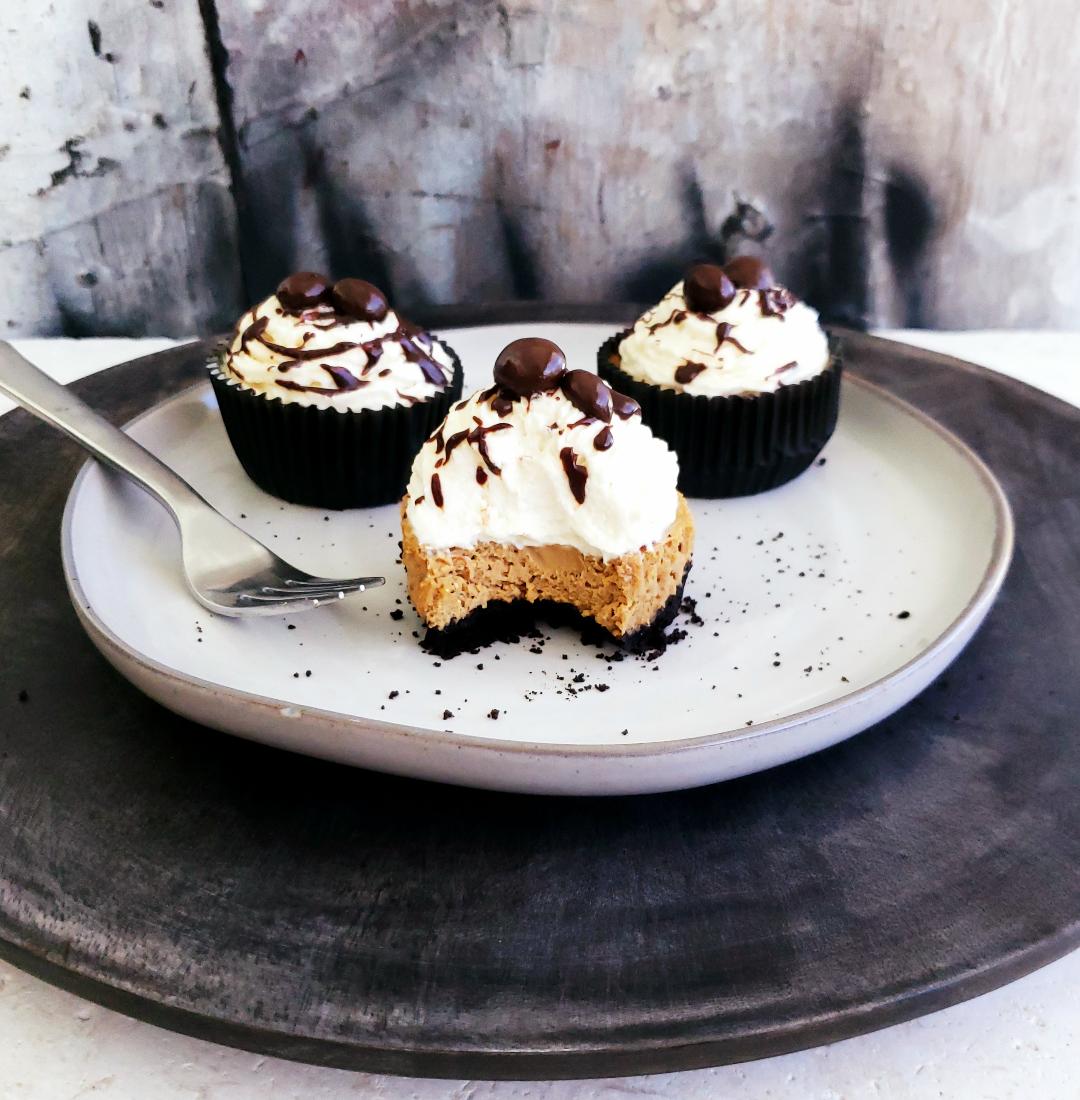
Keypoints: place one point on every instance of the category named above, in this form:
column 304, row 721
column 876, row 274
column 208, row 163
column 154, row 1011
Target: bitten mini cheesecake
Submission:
column 327, row 393
column 545, row 497
column 735, row 373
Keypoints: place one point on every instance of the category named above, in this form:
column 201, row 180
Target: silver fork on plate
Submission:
column 227, row 570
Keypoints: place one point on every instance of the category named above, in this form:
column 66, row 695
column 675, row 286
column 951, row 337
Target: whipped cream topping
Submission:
column 759, row 340
column 569, row 465
column 313, row 353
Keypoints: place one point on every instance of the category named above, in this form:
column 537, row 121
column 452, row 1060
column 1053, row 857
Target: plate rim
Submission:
column 986, row 591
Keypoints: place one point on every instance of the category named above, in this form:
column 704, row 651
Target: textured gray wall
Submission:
column 165, row 160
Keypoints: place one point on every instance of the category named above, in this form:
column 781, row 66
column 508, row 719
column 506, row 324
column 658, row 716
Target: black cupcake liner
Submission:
column 328, row 458
column 740, row 445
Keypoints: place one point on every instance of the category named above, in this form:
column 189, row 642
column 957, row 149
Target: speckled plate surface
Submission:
column 821, row 607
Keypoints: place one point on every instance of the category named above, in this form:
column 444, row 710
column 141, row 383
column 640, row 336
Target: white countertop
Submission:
column 1021, row 1041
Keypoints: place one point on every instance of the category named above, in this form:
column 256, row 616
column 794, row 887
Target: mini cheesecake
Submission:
column 735, row 373
column 545, row 497
column 327, row 392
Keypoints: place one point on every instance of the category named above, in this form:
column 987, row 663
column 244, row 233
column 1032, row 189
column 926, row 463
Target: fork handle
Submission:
column 35, row 391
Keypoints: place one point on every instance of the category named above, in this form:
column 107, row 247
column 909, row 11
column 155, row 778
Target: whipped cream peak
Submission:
column 560, row 459
column 335, row 345
column 724, row 331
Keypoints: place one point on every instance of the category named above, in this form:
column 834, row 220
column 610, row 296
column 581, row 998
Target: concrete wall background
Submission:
column 165, row 161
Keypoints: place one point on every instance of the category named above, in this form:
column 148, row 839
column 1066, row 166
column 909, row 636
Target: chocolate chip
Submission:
column 749, row 273
column 576, row 474
column 708, row 288
column 529, row 366
column 359, row 299
column 589, row 393
column 303, row 290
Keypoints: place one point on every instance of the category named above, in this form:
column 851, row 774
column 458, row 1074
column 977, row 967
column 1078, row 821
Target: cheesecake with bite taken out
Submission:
column 545, row 497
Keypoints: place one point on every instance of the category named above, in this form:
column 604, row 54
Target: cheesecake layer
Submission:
column 621, row 595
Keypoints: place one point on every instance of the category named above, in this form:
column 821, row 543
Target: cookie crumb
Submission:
column 393, row 695
column 447, row 715
column 24, row 695
column 903, row 614
column 397, row 614
column 493, row 714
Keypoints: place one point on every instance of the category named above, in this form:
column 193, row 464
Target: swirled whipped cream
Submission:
column 545, row 457
column 335, row 346
column 723, row 331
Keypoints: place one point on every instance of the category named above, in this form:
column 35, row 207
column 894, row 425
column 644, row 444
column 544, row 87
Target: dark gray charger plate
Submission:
column 297, row 908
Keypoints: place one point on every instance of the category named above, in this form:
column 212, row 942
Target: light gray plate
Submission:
column 827, row 604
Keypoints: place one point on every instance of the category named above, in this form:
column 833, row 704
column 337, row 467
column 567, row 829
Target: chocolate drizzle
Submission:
column 723, row 336
column 676, row 317
column 526, row 369
column 345, row 379
column 687, row 372
column 344, row 382
column 431, row 370
column 303, row 353
column 576, row 474
column 253, row 332
column 436, row 490
column 477, row 437
column 322, row 305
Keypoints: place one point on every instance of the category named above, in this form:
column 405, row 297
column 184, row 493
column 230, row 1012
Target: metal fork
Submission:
column 227, row 570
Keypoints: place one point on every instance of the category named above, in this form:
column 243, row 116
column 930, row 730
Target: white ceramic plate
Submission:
column 826, row 605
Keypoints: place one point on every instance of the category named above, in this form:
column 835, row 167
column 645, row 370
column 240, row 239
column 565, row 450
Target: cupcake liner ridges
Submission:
column 328, row 458
column 736, row 446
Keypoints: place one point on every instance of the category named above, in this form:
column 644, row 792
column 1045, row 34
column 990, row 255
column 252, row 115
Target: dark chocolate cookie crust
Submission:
column 508, row 622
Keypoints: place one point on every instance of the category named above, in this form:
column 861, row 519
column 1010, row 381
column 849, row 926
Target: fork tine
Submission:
column 292, row 584
column 315, row 589
column 269, row 594
column 296, row 597
column 269, row 598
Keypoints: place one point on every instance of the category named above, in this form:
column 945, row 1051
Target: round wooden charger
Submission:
column 303, row 909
